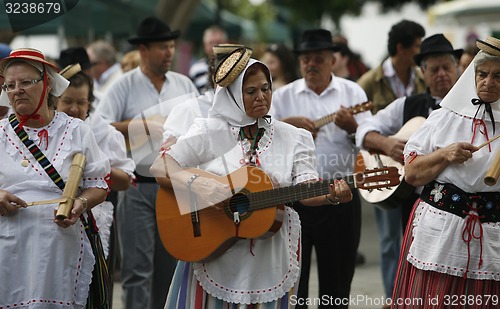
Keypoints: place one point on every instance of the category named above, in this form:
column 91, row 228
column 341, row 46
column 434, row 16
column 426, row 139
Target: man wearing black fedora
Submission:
column 146, row 268
column 439, row 64
column 333, row 231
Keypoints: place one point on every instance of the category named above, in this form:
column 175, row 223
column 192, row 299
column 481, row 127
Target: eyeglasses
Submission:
column 319, row 59
column 25, row 84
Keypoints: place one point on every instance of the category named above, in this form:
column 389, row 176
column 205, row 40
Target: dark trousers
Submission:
column 147, row 268
column 334, row 232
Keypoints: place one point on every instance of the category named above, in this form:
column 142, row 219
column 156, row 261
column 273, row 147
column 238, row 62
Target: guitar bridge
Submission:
column 236, row 217
column 195, row 220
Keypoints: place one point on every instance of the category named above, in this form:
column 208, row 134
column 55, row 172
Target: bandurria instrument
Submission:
column 362, row 107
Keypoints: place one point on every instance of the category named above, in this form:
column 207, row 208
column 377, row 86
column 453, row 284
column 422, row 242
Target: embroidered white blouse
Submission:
column 438, row 243
column 42, row 262
column 287, row 155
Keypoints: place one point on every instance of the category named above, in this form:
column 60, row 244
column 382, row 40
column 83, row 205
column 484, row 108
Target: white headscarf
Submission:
column 228, row 101
column 460, row 96
column 58, row 83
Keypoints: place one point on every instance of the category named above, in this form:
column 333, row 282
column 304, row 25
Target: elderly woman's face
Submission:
column 74, row 102
column 257, row 95
column 488, row 81
column 24, row 101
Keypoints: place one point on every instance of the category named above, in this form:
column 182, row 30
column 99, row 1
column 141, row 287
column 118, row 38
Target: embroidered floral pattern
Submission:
column 436, row 192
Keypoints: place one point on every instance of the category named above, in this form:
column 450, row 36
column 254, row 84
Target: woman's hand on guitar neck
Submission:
column 340, row 191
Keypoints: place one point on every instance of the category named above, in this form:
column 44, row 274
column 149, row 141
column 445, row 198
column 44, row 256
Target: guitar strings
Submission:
column 273, row 197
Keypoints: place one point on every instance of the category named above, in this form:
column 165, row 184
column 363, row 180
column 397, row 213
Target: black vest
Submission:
column 418, row 105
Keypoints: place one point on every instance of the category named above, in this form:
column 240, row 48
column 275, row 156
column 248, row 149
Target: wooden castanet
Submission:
column 71, row 188
column 494, row 172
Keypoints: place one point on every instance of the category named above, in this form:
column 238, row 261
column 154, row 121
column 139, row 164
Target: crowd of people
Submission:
column 257, row 150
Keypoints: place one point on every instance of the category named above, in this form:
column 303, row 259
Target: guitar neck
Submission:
column 273, row 197
column 324, row 120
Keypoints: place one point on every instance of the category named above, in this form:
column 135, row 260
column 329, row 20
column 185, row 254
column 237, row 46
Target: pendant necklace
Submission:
column 250, row 157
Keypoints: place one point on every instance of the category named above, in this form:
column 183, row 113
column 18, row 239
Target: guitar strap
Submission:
column 36, row 152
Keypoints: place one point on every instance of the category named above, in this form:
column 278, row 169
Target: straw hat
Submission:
column 36, row 59
column 70, row 70
column 232, row 66
column 490, row 45
column 25, row 54
column 222, row 50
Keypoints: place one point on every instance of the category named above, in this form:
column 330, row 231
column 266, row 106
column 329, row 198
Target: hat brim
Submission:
column 70, row 70
column 5, row 60
column 419, row 57
column 156, row 38
column 316, row 47
column 232, row 66
column 488, row 48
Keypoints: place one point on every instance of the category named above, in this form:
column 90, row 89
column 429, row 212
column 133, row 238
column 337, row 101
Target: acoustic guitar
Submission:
column 390, row 197
column 366, row 106
column 256, row 210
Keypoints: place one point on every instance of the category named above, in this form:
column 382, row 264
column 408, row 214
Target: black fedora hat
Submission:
column 152, row 29
column 74, row 55
column 316, row 39
column 436, row 44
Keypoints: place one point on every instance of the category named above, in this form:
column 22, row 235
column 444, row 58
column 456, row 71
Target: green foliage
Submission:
column 388, row 5
column 313, row 10
column 299, row 12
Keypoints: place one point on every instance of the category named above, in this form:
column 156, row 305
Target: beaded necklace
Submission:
column 250, row 157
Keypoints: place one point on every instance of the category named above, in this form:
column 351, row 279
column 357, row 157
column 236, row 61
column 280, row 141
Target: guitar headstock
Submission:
column 383, row 177
column 366, row 106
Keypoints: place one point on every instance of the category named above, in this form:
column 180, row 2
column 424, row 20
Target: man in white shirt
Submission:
column 105, row 69
column 333, row 231
column 146, row 266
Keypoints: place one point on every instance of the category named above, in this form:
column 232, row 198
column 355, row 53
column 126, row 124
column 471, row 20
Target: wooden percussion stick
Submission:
column 486, row 143
column 71, row 188
column 493, row 173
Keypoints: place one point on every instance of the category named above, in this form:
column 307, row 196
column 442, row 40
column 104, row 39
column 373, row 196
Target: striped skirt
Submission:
column 186, row 293
column 422, row 289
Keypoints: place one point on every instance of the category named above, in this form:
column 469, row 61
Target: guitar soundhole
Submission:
column 239, row 203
